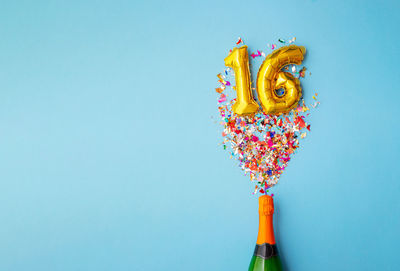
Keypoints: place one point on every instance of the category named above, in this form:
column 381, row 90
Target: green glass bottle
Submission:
column 265, row 256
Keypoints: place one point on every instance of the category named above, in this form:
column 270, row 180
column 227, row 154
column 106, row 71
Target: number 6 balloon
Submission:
column 269, row 78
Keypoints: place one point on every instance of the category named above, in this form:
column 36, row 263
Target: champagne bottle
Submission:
column 265, row 254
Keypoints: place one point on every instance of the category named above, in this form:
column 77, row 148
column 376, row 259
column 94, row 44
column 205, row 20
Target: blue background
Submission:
column 109, row 158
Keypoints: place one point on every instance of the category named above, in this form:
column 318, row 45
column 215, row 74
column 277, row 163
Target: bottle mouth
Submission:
column 266, row 205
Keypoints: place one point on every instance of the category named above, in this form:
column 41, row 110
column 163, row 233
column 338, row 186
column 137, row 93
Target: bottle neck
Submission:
column 265, row 226
column 265, row 230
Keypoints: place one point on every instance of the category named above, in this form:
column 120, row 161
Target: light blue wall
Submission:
column 109, row 159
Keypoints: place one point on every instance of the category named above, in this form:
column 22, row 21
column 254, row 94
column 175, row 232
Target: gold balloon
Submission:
column 270, row 78
column 238, row 60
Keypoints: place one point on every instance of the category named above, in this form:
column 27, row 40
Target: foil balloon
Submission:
column 270, row 78
column 238, row 60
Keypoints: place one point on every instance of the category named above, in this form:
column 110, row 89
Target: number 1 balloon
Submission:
column 238, row 60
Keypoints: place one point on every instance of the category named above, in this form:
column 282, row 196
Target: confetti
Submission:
column 302, row 72
column 262, row 144
column 239, row 41
column 222, row 98
column 281, row 40
column 315, row 105
column 220, row 89
column 259, row 53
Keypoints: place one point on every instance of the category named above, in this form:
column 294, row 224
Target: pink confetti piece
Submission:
column 253, row 55
column 222, row 98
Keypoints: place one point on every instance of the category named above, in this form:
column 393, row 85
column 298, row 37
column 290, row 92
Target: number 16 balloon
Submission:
column 269, row 78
